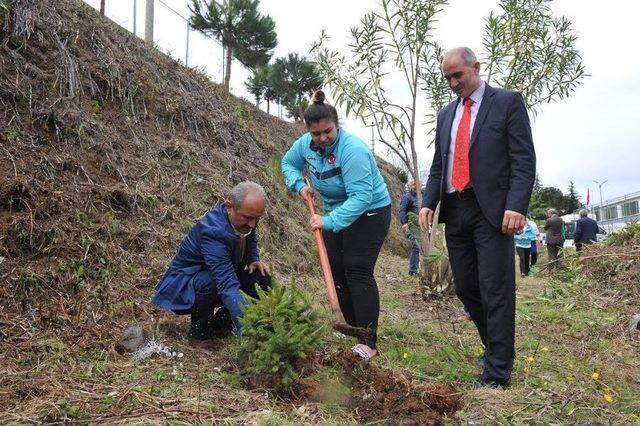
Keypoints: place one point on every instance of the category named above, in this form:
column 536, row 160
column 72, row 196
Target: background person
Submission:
column 554, row 238
column 523, row 240
column 586, row 230
column 357, row 210
column 216, row 259
column 482, row 175
column 407, row 205
column 534, row 245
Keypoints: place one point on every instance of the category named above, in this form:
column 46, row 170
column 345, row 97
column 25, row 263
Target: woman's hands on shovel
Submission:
column 316, row 220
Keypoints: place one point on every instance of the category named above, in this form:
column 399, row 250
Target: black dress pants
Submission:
column 206, row 321
column 482, row 261
column 353, row 253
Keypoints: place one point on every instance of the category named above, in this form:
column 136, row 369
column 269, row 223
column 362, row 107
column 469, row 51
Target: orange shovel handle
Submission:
column 324, row 261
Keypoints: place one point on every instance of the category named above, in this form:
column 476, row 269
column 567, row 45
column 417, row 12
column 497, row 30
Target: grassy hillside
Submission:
column 110, row 150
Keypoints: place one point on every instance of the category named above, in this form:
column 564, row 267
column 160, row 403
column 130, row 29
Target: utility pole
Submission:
column 148, row 22
column 102, row 7
column 134, row 15
column 186, row 55
column 373, row 146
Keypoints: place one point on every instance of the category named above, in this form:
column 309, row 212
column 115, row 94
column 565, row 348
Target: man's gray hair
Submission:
column 239, row 193
column 466, row 53
column 552, row 211
column 583, row 213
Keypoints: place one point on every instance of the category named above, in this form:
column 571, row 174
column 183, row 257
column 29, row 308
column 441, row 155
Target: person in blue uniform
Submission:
column 408, row 205
column 216, row 260
column 357, row 210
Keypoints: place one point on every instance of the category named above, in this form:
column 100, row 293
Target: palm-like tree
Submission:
column 295, row 77
column 245, row 34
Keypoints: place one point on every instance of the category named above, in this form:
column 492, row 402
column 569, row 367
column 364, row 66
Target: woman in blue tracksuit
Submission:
column 357, row 210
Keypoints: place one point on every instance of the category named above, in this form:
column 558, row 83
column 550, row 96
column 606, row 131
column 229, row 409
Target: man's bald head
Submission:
column 245, row 206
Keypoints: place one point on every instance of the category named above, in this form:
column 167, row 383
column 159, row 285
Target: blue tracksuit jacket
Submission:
column 345, row 174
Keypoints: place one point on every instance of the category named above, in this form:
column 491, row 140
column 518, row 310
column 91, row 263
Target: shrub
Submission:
column 279, row 329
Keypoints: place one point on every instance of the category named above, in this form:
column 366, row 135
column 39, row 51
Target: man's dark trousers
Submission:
column 555, row 254
column 482, row 261
column 204, row 323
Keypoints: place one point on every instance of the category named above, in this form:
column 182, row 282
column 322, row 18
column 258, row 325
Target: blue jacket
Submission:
column 524, row 238
column 210, row 244
column 586, row 230
column 407, row 204
column 345, row 174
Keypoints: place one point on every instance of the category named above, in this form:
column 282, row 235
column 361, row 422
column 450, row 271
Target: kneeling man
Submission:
column 217, row 258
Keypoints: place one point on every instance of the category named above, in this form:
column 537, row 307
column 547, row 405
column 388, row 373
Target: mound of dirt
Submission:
column 381, row 395
column 374, row 394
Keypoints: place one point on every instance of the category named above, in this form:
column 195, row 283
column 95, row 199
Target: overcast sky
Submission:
column 591, row 136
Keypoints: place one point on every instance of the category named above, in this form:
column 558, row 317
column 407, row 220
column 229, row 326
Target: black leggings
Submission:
column 353, row 253
column 523, row 255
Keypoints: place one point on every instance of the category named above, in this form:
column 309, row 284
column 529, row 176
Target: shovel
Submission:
column 338, row 323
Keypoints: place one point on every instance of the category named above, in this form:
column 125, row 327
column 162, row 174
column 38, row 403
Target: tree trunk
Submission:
column 102, row 7
column 227, row 72
column 268, row 106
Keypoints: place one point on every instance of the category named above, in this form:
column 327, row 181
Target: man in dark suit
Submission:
column 555, row 237
column 482, row 175
column 586, row 230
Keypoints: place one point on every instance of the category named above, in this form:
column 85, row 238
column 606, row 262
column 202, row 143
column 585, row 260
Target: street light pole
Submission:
column 373, row 147
column 600, row 191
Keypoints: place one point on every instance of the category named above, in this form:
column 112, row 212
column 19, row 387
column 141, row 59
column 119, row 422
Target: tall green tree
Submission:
column 572, row 200
column 295, row 78
column 262, row 86
column 245, row 34
column 257, row 83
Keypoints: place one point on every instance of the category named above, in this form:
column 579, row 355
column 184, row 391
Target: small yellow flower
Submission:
column 545, row 349
column 569, row 378
column 530, row 358
column 608, row 397
column 571, row 365
column 634, row 417
column 595, row 375
column 405, row 355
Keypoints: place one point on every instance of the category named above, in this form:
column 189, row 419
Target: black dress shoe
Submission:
column 491, row 383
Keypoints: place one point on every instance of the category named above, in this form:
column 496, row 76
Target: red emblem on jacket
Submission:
column 331, row 159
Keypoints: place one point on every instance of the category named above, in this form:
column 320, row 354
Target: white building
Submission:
column 615, row 213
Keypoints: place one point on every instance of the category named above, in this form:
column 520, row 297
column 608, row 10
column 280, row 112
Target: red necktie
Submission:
column 460, row 176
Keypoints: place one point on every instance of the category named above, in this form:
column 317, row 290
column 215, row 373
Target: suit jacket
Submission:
column 555, row 230
column 586, row 230
column 501, row 156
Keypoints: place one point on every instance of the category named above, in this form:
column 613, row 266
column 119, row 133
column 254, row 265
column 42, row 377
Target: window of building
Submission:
column 611, row 212
column 630, row 209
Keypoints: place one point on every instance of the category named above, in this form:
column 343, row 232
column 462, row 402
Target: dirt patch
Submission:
column 372, row 393
column 379, row 394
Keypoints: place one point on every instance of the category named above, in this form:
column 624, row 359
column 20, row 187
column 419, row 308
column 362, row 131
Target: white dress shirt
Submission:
column 476, row 97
